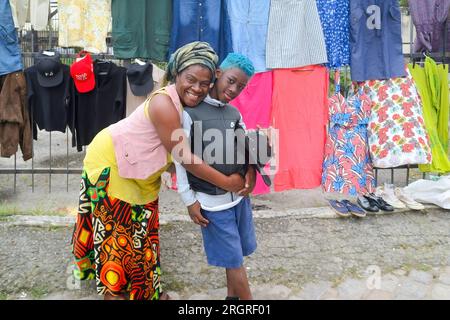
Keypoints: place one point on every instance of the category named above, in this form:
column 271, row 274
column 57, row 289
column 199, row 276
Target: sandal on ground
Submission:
column 340, row 208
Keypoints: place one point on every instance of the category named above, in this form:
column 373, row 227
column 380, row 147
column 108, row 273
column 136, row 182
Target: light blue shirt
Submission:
column 249, row 20
column 10, row 54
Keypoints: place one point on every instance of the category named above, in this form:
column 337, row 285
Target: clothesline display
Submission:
column 85, row 97
column 382, row 116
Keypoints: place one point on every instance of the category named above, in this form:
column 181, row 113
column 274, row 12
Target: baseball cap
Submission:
column 82, row 73
column 49, row 69
column 140, row 78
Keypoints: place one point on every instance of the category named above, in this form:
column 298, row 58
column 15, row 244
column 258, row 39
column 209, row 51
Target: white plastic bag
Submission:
column 428, row 191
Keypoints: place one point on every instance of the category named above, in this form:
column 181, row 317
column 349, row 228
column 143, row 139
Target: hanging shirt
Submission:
column 50, row 107
column 15, row 128
column 11, row 59
column 255, row 105
column 429, row 18
column 104, row 105
column 201, row 20
column 300, row 118
column 432, row 84
column 334, row 16
column 376, row 40
column 294, row 35
column 35, row 11
column 141, row 28
column 84, row 23
column 248, row 21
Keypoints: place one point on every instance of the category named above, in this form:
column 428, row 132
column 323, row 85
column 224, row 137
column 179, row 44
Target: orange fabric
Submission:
column 299, row 112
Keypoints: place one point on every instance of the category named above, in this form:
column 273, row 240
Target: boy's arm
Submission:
column 184, row 189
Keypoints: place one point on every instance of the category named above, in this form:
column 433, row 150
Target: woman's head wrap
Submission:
column 196, row 52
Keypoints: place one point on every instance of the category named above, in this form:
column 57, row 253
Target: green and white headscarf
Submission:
column 196, row 52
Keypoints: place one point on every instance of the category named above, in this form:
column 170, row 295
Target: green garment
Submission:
column 141, row 28
column 432, row 84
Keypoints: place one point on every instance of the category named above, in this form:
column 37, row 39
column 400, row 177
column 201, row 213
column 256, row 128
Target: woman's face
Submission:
column 229, row 84
column 193, row 84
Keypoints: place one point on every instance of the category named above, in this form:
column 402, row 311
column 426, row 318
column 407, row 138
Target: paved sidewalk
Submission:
column 393, row 256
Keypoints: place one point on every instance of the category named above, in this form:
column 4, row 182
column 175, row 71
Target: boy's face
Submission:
column 229, row 84
column 193, row 84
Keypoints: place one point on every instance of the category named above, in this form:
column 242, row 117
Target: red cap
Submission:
column 82, row 72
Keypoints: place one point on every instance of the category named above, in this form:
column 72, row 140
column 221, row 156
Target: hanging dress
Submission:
column 347, row 167
column 397, row 134
column 299, row 113
column 432, row 84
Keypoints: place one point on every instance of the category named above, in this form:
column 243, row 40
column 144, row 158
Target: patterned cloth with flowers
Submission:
column 397, row 134
column 347, row 167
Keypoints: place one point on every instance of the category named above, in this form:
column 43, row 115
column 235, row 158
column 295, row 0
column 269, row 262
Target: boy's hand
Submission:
column 196, row 214
column 250, row 182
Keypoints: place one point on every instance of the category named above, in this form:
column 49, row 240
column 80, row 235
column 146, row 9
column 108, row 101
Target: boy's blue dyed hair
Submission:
column 237, row 60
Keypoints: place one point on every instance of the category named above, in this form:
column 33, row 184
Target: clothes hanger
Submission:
column 139, row 62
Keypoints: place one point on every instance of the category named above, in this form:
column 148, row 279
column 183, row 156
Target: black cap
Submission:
column 49, row 70
column 140, row 78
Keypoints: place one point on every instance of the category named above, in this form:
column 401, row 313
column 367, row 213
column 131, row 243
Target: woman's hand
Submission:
column 250, row 182
column 196, row 214
column 235, row 183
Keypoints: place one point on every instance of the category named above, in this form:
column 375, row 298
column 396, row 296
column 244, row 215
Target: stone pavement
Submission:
column 301, row 255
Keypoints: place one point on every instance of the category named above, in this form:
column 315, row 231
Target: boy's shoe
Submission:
column 410, row 202
column 367, row 204
column 340, row 208
column 231, row 298
column 388, row 195
column 379, row 202
column 354, row 209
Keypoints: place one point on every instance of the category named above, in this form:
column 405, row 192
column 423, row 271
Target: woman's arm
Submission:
column 166, row 120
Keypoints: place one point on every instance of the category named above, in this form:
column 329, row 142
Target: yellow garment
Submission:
column 84, row 23
column 100, row 155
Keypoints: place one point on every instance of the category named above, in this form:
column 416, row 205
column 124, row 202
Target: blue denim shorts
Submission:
column 230, row 235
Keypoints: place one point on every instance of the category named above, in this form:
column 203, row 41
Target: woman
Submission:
column 116, row 237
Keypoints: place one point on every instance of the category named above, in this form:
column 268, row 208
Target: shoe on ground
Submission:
column 387, row 194
column 379, row 202
column 340, row 208
column 410, row 202
column 367, row 204
column 354, row 209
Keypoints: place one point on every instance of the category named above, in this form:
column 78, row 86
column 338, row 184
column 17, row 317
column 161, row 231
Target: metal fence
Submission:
column 70, row 162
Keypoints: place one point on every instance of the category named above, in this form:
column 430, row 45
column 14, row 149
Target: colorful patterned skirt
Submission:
column 116, row 243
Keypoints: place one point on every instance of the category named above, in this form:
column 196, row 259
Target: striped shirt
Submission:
column 295, row 37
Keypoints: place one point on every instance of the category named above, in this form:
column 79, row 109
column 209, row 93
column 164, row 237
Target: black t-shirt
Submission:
column 105, row 105
column 50, row 107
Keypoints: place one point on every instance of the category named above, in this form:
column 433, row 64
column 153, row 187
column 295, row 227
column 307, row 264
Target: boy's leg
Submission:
column 237, row 283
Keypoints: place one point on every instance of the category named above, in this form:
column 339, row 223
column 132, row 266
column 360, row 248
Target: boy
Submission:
column 226, row 218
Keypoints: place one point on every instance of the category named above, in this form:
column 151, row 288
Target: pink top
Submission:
column 138, row 148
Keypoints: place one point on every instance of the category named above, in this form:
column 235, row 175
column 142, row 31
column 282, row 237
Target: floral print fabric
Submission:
column 397, row 134
column 334, row 17
column 347, row 167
